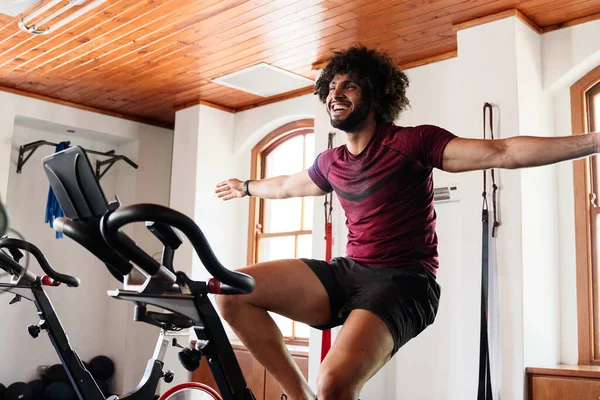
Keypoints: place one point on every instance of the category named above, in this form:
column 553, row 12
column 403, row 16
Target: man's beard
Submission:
column 354, row 120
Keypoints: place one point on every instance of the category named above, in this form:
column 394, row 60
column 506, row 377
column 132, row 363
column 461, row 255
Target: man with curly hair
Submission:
column 384, row 292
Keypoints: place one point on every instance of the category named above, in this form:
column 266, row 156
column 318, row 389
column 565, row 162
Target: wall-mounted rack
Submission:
column 27, row 150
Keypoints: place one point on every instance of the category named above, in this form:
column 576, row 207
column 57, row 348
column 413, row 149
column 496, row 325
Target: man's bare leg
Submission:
column 289, row 288
column 363, row 346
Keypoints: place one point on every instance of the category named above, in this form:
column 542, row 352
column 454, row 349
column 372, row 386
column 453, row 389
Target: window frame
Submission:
column 587, row 265
column 257, row 161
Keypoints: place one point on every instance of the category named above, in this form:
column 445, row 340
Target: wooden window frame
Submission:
column 257, row 166
column 586, row 265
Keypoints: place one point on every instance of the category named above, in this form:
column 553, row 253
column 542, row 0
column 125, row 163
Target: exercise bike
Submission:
column 96, row 225
column 26, row 285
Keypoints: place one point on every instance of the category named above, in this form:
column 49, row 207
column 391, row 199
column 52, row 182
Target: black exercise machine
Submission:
column 26, row 285
column 96, row 225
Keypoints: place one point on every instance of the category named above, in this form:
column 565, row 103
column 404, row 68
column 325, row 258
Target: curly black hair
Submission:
column 379, row 77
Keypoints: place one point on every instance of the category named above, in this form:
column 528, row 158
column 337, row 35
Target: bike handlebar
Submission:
column 41, row 259
column 10, row 265
column 234, row 282
column 89, row 237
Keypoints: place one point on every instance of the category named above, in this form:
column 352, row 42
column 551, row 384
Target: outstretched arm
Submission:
column 279, row 187
column 462, row 155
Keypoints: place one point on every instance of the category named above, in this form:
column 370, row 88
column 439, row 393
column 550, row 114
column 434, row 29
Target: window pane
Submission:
column 284, row 324
column 302, row 330
column 283, row 215
column 594, row 107
column 310, row 150
column 276, row 248
column 596, row 281
column 305, row 246
column 286, row 159
column 308, row 213
column 596, row 111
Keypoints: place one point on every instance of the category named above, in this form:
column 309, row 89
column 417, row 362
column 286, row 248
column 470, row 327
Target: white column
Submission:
column 183, row 174
column 203, row 156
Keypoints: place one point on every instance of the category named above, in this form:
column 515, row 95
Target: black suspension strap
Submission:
column 485, row 382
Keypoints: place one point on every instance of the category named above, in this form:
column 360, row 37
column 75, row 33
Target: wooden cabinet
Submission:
column 263, row 385
column 565, row 382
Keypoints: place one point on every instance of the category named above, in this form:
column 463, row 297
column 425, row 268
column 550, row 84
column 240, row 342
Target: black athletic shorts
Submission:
column 405, row 298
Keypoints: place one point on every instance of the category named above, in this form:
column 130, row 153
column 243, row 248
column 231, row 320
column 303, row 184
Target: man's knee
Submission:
column 230, row 307
column 336, row 384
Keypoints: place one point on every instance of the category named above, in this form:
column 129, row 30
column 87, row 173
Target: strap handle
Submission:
column 488, row 107
column 329, row 196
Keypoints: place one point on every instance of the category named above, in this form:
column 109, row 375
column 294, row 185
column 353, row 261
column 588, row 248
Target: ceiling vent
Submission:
column 264, row 80
column 16, row 7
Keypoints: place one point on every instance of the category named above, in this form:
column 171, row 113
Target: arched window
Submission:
column 281, row 229
column 585, row 116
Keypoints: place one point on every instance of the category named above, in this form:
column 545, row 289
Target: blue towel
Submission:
column 53, row 209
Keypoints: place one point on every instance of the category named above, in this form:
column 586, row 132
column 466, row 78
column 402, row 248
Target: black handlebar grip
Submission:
column 41, row 259
column 113, row 221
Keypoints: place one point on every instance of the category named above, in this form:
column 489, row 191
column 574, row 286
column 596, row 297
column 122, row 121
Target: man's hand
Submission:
column 230, row 189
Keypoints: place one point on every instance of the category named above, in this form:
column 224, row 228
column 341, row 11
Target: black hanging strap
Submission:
column 329, row 197
column 488, row 107
column 485, row 382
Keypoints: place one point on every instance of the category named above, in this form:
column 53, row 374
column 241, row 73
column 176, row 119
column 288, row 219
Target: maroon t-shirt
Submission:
column 386, row 192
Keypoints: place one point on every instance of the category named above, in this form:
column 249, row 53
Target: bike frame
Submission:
column 71, row 177
column 81, row 380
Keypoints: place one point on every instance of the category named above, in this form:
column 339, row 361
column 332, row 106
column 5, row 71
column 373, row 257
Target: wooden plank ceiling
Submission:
column 146, row 58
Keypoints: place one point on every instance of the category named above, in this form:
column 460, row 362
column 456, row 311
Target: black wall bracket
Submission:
column 27, row 150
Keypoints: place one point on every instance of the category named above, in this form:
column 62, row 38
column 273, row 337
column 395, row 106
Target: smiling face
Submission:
column 346, row 105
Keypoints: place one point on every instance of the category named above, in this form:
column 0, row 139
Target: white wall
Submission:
column 568, row 54
column 14, row 105
column 151, row 148
column 566, row 230
column 540, row 219
column 539, row 269
column 202, row 157
column 252, row 125
column 218, row 222
column 27, row 194
column 183, row 174
column 485, row 71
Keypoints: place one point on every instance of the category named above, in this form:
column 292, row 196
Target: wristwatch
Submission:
column 245, row 189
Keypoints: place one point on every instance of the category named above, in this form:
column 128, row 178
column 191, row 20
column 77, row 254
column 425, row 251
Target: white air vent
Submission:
column 264, row 80
column 446, row 193
column 16, row 7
